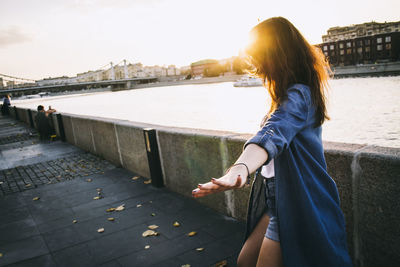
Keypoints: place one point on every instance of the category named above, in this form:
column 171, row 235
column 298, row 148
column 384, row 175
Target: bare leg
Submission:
column 270, row 254
column 251, row 249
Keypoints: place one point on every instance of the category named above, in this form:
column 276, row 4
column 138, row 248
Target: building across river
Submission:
column 366, row 43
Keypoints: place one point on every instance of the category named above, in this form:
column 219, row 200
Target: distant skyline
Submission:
column 50, row 38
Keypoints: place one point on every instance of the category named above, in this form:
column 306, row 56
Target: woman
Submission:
column 294, row 217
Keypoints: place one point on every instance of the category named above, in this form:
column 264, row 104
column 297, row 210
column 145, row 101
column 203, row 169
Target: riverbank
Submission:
column 367, row 70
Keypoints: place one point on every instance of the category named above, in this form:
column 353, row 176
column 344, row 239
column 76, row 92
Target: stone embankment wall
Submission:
column 368, row 177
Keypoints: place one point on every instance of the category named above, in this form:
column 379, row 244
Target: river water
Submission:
column 362, row 110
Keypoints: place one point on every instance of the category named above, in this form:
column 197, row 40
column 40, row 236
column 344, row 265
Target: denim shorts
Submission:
column 272, row 229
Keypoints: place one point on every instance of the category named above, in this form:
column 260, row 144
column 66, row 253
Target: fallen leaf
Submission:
column 147, row 181
column 147, row 247
column 148, row 233
column 98, row 189
column 221, row 263
column 199, row 249
column 135, row 178
column 176, row 224
column 110, row 209
column 96, row 198
column 152, row 227
column 120, row 208
column 74, row 221
column 88, row 180
column 153, row 214
column 110, row 219
column 192, row 233
column 1, row 255
column 1, row 182
column 28, row 185
column 35, row 198
column 186, row 265
column 100, row 230
column 138, row 205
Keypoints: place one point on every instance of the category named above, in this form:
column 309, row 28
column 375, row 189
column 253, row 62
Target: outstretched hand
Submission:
column 226, row 182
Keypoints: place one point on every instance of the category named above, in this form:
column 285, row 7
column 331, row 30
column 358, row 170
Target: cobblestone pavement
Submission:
column 27, row 177
column 55, row 202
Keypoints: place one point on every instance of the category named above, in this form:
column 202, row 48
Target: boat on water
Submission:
column 248, row 81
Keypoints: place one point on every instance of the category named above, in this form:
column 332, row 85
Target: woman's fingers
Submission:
column 225, row 182
column 216, row 186
column 203, row 192
column 208, row 186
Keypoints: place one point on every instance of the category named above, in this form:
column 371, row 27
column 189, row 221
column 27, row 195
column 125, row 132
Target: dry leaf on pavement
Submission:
column 152, row 227
column 148, row 233
column 221, row 263
column 100, row 230
column 147, row 247
column 147, row 181
column 35, row 198
column 192, row 233
column 120, row 208
column 176, row 224
column 110, row 209
column 135, row 178
column 96, row 198
column 88, row 180
column 74, row 221
column 138, row 205
column 153, row 214
column 110, row 219
column 199, row 249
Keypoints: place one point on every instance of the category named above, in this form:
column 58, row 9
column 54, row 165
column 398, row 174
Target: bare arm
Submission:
column 253, row 156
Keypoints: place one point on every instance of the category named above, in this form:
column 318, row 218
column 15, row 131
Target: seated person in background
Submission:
column 43, row 122
column 6, row 104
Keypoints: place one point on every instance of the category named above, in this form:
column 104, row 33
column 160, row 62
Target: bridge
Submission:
column 114, row 84
column 102, row 77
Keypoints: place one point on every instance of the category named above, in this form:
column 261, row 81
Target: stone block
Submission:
column 339, row 158
column 240, row 196
column 68, row 130
column 133, row 149
column 83, row 133
column 55, row 123
column 190, row 158
column 12, row 112
column 378, row 206
column 34, row 113
column 23, row 115
column 105, row 140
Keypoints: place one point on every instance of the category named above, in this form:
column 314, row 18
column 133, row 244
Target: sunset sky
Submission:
column 63, row 37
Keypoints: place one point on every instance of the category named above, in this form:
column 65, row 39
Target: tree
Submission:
column 240, row 65
column 213, row 70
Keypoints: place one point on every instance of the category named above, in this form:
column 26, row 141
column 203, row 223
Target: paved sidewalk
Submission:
column 54, row 199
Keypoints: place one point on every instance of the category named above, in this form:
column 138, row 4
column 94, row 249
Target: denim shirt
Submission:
column 311, row 223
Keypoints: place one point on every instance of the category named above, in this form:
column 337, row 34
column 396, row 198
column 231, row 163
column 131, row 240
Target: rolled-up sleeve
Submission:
column 284, row 123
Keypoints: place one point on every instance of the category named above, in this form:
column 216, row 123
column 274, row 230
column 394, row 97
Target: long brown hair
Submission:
column 281, row 56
